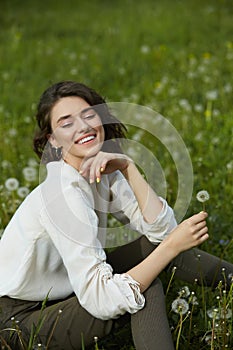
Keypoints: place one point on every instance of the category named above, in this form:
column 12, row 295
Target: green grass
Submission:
column 174, row 56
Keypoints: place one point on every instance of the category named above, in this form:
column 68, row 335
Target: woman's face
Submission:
column 77, row 128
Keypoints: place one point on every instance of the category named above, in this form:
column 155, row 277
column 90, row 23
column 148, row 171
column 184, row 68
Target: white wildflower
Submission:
column 11, row 184
column 32, row 162
column 12, row 132
column 74, row 71
column 213, row 313
column 212, row 95
column 203, row 196
column 145, row 49
column 23, row 192
column 96, row 339
column 198, row 107
column 227, row 88
column 208, row 339
column 185, row 104
column 6, row 164
column 180, row 306
column 184, row 292
column 29, row 174
column 217, row 313
column 229, row 165
column 194, row 300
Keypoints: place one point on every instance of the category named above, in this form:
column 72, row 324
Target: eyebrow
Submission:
column 83, row 111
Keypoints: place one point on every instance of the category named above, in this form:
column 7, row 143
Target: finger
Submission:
column 85, row 167
column 201, row 233
column 196, row 218
column 95, row 172
column 203, row 238
column 200, row 225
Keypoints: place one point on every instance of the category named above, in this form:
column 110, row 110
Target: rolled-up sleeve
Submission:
column 72, row 225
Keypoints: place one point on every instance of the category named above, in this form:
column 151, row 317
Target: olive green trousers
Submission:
column 65, row 323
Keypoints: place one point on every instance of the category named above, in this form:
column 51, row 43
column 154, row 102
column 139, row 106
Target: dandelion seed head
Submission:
column 194, row 300
column 213, row 313
column 11, row 184
column 184, row 292
column 212, row 95
column 32, row 162
column 180, row 306
column 6, row 164
column 145, row 49
column 23, row 192
column 29, row 173
column 202, row 196
column 208, row 339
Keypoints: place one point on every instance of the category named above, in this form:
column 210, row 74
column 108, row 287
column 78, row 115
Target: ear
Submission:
column 52, row 140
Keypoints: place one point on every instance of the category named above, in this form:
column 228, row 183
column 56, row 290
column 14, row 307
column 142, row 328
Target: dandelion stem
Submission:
column 170, row 281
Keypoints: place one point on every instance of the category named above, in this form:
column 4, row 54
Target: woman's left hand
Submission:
column 103, row 163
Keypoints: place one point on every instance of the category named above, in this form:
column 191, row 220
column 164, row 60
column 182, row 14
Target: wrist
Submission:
column 170, row 247
column 126, row 168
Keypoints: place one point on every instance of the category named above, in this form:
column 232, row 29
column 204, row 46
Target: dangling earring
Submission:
column 58, row 151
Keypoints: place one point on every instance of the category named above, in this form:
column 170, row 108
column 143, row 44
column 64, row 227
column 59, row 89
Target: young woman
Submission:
column 54, row 244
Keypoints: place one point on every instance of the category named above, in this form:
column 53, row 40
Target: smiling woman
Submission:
column 55, row 243
column 52, row 113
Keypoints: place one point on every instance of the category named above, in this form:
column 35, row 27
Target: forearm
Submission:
column 190, row 233
column 148, row 201
column 146, row 271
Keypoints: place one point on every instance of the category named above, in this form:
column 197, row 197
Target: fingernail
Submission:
column 97, row 180
column 91, row 181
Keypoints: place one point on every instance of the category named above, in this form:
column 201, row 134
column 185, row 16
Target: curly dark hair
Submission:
column 113, row 128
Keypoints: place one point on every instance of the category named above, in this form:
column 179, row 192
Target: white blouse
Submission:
column 54, row 242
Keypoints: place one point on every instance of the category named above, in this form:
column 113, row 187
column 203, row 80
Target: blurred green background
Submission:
column 175, row 56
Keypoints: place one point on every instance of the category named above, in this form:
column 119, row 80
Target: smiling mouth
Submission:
column 85, row 139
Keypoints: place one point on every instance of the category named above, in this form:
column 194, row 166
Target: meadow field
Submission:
column 173, row 56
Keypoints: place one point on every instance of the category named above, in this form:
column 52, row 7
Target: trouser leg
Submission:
column 65, row 323
column 150, row 327
column 198, row 266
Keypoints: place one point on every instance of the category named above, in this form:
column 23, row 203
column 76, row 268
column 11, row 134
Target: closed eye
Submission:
column 66, row 124
column 89, row 116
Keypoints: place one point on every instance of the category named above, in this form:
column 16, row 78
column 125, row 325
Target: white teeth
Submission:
column 86, row 139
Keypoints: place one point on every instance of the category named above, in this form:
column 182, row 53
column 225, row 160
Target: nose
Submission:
column 82, row 125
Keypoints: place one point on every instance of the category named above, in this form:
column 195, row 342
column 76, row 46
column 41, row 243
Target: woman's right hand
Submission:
column 188, row 234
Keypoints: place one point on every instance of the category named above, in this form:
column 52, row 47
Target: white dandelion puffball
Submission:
column 11, row 184
column 23, row 192
column 203, row 196
column 180, row 306
column 184, row 292
column 30, row 174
